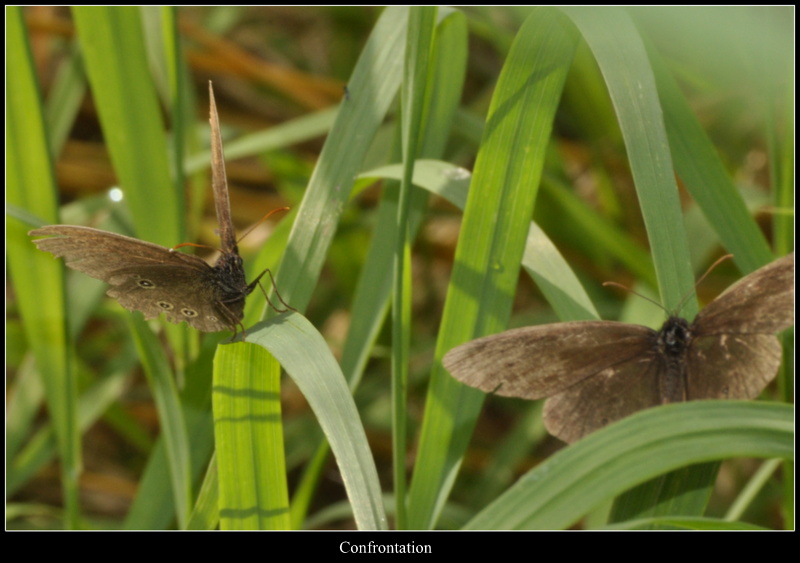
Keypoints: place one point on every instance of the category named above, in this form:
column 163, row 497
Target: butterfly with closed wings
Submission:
column 153, row 279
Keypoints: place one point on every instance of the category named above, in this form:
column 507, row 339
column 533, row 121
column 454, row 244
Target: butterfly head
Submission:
column 230, row 272
column 674, row 336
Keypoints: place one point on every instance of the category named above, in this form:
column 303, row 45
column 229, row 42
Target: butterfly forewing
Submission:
column 219, row 181
column 734, row 353
column 762, row 302
column 98, row 253
column 538, row 361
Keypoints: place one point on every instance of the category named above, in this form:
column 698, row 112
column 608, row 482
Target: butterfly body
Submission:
column 672, row 346
column 596, row 372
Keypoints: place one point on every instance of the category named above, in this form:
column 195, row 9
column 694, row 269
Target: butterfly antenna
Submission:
column 698, row 282
column 685, row 297
column 264, row 218
column 177, row 246
column 636, row 293
column 712, row 267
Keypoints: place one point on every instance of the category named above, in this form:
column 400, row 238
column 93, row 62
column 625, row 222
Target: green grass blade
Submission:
column 249, row 437
column 372, row 292
column 25, row 398
column 418, row 52
column 38, row 278
column 541, row 259
column 493, row 234
column 572, row 482
column 154, row 508
column 704, row 175
column 123, row 89
column 170, row 414
column 749, row 493
column 64, row 100
column 42, row 447
column 622, row 59
column 560, row 203
column 683, row 523
column 205, row 514
column 372, row 87
column 298, row 130
column 304, row 354
column 621, row 56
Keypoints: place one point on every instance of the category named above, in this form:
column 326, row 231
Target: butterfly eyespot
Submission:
column 146, row 284
column 212, row 318
column 166, row 306
column 189, row 312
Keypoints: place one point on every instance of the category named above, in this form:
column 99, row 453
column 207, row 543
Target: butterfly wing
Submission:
column 538, row 361
column 614, row 393
column 145, row 277
column 219, row 181
column 734, row 353
column 99, row 253
column 732, row 366
column 598, row 372
column 762, row 302
column 182, row 294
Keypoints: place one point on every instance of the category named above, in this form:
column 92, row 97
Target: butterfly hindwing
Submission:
column 732, row 366
column 150, row 289
column 608, row 396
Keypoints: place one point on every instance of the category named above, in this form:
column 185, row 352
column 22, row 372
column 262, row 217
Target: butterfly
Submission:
column 597, row 372
column 153, row 279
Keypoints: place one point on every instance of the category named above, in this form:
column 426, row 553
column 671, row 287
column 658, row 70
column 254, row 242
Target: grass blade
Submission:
column 569, row 484
column 492, row 240
column 305, row 356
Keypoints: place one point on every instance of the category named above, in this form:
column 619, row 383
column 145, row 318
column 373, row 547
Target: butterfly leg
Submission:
column 275, row 287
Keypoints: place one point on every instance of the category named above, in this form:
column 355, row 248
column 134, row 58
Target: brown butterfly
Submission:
column 597, row 372
column 153, row 279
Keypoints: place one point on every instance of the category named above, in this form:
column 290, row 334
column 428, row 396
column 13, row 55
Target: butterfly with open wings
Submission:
column 597, row 372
